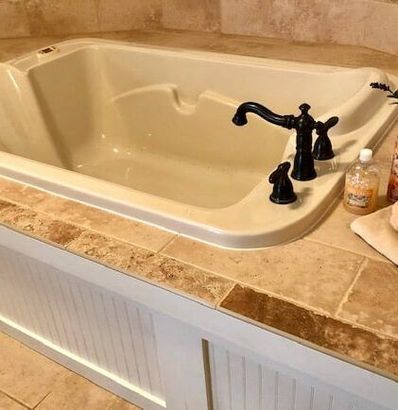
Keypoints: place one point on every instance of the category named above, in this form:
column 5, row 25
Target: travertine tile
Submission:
column 353, row 343
column 83, row 215
column 106, row 250
column 21, row 193
column 310, row 19
column 38, row 225
column 76, row 393
column 198, row 15
column 373, row 300
column 281, row 19
column 8, row 404
column 244, row 16
column 381, row 31
column 163, row 271
column 61, row 17
column 114, row 15
column 334, row 230
column 116, row 226
column 308, row 272
column 13, row 17
column 346, row 20
column 25, row 374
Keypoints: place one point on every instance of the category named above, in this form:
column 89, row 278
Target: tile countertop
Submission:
column 328, row 289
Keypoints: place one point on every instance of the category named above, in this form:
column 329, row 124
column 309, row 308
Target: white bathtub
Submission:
column 147, row 133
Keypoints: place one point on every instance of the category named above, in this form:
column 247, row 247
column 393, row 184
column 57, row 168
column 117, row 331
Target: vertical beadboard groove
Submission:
column 102, row 328
column 273, row 390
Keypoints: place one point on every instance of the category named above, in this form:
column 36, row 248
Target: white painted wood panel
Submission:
column 145, row 343
column 97, row 326
column 242, row 384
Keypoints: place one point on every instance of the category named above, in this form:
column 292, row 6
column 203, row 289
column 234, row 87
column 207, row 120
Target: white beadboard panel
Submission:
column 242, row 384
column 112, row 333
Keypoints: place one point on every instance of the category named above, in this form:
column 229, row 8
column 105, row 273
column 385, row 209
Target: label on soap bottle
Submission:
column 359, row 197
column 392, row 193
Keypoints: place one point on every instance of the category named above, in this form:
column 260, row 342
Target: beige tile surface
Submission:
column 346, row 21
column 114, row 15
column 61, row 17
column 32, row 223
column 346, row 340
column 382, row 32
column 85, row 216
column 13, row 18
column 373, row 300
column 308, row 272
column 25, row 375
column 187, row 280
column 334, row 230
column 76, row 393
column 197, row 15
column 243, row 16
column 6, row 403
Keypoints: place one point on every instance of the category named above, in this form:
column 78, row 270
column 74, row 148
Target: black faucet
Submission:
column 304, row 124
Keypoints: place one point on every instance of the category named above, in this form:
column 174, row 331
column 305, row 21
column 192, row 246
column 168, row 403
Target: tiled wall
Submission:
column 371, row 23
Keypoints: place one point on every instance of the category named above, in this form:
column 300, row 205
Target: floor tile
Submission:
column 8, row 404
column 76, row 393
column 25, row 374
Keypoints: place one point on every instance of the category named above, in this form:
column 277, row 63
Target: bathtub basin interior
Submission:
column 153, row 127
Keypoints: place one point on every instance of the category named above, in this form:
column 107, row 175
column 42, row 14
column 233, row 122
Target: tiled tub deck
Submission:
column 329, row 289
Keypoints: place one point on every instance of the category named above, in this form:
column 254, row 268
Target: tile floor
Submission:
column 29, row 380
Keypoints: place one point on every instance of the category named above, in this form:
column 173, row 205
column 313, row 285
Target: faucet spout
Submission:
column 303, row 124
column 240, row 118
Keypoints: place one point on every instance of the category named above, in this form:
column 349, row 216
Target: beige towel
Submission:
column 377, row 230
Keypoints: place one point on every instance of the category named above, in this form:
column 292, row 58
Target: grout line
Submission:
column 225, row 295
column 15, row 399
column 169, row 242
column 377, row 258
column 350, row 288
column 41, row 401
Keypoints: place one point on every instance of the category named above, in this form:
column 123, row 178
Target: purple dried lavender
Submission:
column 386, row 88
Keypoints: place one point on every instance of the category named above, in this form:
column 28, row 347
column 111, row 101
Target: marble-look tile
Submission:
column 25, row 374
column 73, row 392
column 61, row 17
column 308, row 272
column 381, row 30
column 160, row 270
column 373, row 300
column 38, row 225
column 197, row 15
column 117, row 15
column 13, row 18
column 352, row 343
column 8, row 404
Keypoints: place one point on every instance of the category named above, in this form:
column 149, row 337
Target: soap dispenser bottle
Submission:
column 362, row 184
